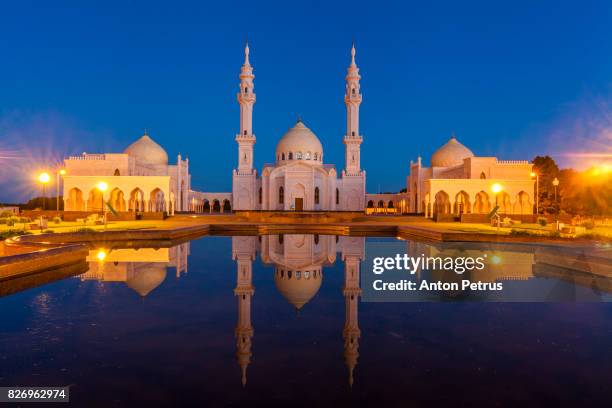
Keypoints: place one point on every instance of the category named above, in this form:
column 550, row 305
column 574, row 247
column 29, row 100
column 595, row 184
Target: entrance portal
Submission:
column 299, row 204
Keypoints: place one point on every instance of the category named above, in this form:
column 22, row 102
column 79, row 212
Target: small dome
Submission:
column 147, row 277
column 147, row 151
column 451, row 154
column 298, row 287
column 301, row 143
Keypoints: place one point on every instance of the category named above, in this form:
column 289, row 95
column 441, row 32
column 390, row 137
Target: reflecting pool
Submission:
column 282, row 319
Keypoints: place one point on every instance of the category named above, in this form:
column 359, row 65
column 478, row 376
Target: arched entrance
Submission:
column 75, row 200
column 227, row 207
column 136, row 202
column 481, row 203
column 441, row 203
column 157, row 201
column 462, row 204
column 117, row 200
column 95, row 202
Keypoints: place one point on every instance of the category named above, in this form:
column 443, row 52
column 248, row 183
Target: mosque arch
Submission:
column 206, row 206
column 483, row 176
column 290, row 156
column 75, row 200
column 216, row 208
column 137, row 201
column 502, row 199
column 482, row 205
column 227, row 207
column 523, row 204
column 441, row 203
column 281, row 195
column 260, row 194
column 390, row 204
column 462, row 204
column 95, row 201
column 157, row 200
column 370, row 204
column 117, row 199
column 316, row 195
column 117, row 172
column 337, row 196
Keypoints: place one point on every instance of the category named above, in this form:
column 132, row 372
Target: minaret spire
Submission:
column 246, row 54
column 352, row 100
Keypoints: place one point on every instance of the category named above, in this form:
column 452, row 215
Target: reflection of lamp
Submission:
column 44, row 179
column 103, row 186
column 537, row 178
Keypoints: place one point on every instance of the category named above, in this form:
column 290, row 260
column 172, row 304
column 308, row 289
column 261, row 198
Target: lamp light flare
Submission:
column 101, row 255
column 102, row 186
column 496, row 188
column 44, row 177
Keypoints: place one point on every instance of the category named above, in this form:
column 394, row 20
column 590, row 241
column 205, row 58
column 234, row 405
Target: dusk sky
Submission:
column 512, row 80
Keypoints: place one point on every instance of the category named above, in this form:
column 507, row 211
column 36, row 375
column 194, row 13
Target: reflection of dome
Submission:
column 298, row 287
column 451, row 154
column 301, row 143
column 147, row 151
column 147, row 277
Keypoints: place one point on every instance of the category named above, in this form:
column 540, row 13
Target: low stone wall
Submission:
column 298, row 217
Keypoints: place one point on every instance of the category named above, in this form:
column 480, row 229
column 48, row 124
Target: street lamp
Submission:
column 537, row 198
column 555, row 184
column 58, row 173
column 103, row 186
column 496, row 188
column 44, row 179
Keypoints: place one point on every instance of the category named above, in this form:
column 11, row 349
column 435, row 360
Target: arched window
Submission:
column 337, row 196
column 298, row 156
column 315, row 156
column 290, row 156
column 381, row 204
column 483, row 176
column 289, row 274
column 117, row 173
column 307, row 156
column 260, row 195
column 316, row 195
column 390, row 205
column 316, row 239
column 246, row 90
column 283, row 156
column 281, row 195
column 353, row 91
column 281, row 239
column 353, row 133
column 370, row 204
column 245, row 132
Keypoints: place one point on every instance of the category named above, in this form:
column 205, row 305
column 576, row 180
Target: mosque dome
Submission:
column 146, row 278
column 299, row 143
column 298, row 286
column 145, row 150
column 451, row 154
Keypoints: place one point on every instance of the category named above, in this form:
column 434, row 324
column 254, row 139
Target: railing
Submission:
column 88, row 157
column 512, row 162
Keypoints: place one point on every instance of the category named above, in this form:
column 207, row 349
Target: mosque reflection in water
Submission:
column 298, row 261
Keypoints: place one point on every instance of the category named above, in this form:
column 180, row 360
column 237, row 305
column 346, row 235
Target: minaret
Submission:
column 246, row 100
column 352, row 99
column 244, row 178
column 243, row 253
column 352, row 253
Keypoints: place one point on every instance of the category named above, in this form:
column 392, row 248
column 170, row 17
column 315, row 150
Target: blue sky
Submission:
column 510, row 79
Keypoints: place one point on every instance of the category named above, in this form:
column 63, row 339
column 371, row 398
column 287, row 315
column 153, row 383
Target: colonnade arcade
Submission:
column 470, row 201
column 136, row 199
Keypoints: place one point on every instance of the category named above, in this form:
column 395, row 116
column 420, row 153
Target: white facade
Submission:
column 139, row 179
column 298, row 180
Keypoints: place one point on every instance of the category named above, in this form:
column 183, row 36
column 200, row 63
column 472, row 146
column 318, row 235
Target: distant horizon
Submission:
column 506, row 82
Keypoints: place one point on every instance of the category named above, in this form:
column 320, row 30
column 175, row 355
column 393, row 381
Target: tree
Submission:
column 547, row 169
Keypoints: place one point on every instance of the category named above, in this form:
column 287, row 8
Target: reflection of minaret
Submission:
column 352, row 253
column 243, row 251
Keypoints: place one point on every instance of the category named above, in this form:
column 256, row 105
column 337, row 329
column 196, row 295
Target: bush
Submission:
column 542, row 221
column 519, row 232
column 48, row 231
column 11, row 221
column 12, row 233
column 57, row 220
column 6, row 214
column 24, row 220
column 85, row 229
column 554, row 234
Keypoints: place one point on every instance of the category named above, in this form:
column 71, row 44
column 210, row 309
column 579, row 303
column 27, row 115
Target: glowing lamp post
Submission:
column 102, row 187
column 60, row 172
column 555, row 184
column 537, row 197
column 44, row 179
column 496, row 189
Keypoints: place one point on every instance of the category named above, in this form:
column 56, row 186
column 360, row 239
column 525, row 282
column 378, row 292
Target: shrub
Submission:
column 6, row 214
column 11, row 221
column 48, row 231
column 519, row 232
column 85, row 229
column 12, row 233
column 542, row 221
column 554, row 234
column 24, row 220
column 57, row 220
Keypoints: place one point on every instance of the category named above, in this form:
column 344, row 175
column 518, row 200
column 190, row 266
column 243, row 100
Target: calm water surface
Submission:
column 246, row 320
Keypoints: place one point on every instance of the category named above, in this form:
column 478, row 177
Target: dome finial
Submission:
column 146, row 132
column 299, row 118
column 453, row 135
column 353, row 53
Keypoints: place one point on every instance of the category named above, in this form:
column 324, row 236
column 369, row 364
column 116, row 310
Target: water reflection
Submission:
column 141, row 269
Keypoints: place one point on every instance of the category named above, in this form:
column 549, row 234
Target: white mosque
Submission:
column 456, row 184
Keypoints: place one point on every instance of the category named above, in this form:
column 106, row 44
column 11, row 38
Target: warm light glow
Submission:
column 62, row 172
column 496, row 188
column 101, row 255
column 496, row 260
column 555, row 182
column 102, row 186
column 533, row 174
column 44, row 178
